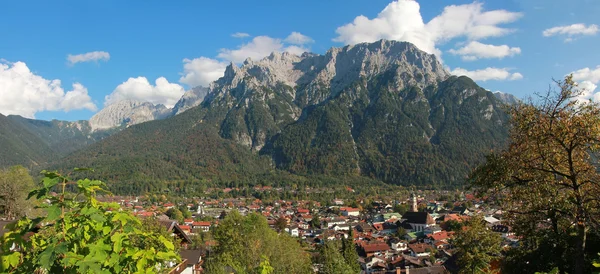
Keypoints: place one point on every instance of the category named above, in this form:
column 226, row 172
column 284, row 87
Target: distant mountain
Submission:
column 62, row 137
column 126, row 113
column 190, row 99
column 384, row 110
column 18, row 146
column 506, row 98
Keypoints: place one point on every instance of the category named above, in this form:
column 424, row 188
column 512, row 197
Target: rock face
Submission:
column 127, row 113
column 190, row 99
column 506, row 98
column 264, row 95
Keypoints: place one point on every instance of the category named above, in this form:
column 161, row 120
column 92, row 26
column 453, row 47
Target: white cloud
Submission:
column 258, row 48
column 93, row 56
column 201, row 71
column 476, row 50
column 572, row 30
column 262, row 46
column 296, row 50
column 487, row 74
column 25, row 93
column 240, row 35
column 588, row 80
column 139, row 89
column 401, row 20
column 296, row 38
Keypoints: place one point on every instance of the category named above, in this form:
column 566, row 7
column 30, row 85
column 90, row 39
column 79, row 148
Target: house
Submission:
column 439, row 236
column 349, row 211
column 193, row 261
column 175, row 229
column 335, row 221
column 202, row 226
column 343, row 227
column 418, row 221
column 338, row 202
column 294, row 231
column 491, row 221
column 420, row 250
column 398, row 245
column 376, row 248
column 364, row 228
column 504, row 230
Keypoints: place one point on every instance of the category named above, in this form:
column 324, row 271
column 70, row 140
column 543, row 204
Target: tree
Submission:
column 79, row 234
column 315, row 222
column 349, row 252
column 175, row 214
column 252, row 237
column 333, row 261
column 477, row 246
column 453, row 225
column 547, row 179
column 15, row 183
column 401, row 232
column 280, row 224
column 401, row 208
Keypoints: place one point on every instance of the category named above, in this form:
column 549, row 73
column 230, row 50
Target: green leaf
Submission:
column 166, row 242
column 10, row 261
column 53, row 213
column 46, row 258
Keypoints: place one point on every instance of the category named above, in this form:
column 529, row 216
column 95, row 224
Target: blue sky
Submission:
column 517, row 46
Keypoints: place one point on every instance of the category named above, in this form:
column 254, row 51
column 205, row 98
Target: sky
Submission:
column 67, row 60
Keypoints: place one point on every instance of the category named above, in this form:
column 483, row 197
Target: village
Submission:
column 411, row 235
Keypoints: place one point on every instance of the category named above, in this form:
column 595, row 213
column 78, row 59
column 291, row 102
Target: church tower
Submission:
column 413, row 208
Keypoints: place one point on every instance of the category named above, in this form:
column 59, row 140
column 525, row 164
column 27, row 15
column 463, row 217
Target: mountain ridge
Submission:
column 382, row 110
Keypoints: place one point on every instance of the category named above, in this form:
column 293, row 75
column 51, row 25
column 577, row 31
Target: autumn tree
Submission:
column 547, row 179
column 15, row 183
column 477, row 246
column 80, row 234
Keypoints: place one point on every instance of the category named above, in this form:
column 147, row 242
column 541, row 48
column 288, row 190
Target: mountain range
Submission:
column 386, row 111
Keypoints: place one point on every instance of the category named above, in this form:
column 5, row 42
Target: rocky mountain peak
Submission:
column 127, row 113
column 190, row 99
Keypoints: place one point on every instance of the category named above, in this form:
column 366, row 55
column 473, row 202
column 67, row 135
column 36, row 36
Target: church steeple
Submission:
column 414, row 202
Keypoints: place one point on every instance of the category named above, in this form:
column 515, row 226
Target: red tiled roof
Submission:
column 375, row 247
column 201, row 224
column 442, row 235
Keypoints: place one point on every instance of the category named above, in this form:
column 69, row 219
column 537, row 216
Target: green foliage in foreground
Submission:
column 477, row 246
column 248, row 245
column 81, row 235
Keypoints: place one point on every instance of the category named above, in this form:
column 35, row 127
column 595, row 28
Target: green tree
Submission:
column 477, row 246
column 349, row 252
column 547, row 179
column 401, row 232
column 15, row 183
column 453, row 225
column 175, row 214
column 401, row 208
column 315, row 222
column 333, row 261
column 280, row 224
column 79, row 234
column 244, row 243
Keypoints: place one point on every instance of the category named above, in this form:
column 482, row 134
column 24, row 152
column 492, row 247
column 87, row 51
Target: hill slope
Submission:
column 21, row 147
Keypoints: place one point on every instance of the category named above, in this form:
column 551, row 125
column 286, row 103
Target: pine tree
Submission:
column 333, row 261
column 349, row 252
